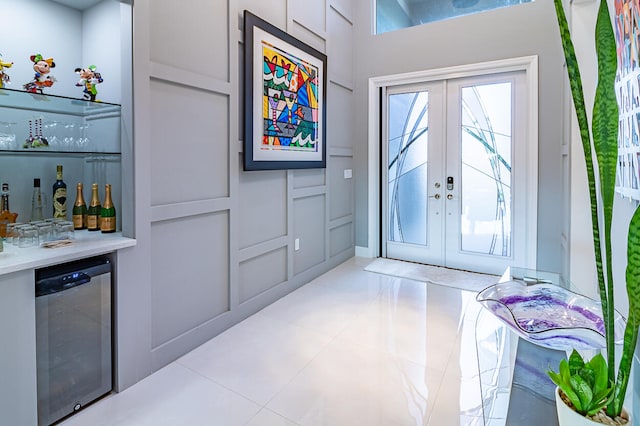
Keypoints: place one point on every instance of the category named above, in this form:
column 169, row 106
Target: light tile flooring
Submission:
column 350, row 348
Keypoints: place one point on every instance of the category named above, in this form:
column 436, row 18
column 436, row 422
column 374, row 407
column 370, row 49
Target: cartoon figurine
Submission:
column 89, row 78
column 4, row 77
column 41, row 79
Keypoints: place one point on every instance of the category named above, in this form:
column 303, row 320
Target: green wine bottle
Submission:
column 108, row 212
column 59, row 195
column 79, row 210
column 93, row 213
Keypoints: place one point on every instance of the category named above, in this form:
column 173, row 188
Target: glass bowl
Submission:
column 550, row 316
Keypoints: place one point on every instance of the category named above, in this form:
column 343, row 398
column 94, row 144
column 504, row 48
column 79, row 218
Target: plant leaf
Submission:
column 573, row 397
column 575, row 362
column 605, row 141
column 598, row 365
column 633, row 322
column 583, row 391
column 555, row 378
column 564, row 371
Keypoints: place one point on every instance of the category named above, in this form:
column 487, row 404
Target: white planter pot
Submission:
column 568, row 417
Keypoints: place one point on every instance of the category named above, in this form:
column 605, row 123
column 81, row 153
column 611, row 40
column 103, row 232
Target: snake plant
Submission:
column 601, row 173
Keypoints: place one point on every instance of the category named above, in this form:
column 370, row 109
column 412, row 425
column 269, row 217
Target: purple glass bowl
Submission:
column 549, row 315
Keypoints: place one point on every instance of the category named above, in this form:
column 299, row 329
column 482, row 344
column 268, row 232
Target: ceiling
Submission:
column 78, row 4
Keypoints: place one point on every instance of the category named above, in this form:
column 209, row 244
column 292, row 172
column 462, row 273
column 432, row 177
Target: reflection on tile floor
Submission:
column 350, row 348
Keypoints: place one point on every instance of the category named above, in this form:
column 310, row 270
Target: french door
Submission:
column 454, row 172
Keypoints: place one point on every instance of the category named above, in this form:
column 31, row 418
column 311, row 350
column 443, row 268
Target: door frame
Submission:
column 528, row 64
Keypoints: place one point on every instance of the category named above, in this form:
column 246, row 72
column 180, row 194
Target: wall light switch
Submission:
column 296, row 244
column 348, row 173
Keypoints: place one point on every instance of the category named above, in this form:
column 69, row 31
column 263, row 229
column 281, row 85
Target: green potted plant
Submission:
column 583, row 383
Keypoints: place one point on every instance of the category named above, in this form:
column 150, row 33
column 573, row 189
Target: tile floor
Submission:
column 349, row 348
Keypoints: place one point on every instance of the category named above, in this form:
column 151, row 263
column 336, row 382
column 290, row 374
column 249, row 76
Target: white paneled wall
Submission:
column 218, row 241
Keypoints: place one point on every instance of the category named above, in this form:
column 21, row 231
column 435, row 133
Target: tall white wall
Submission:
column 214, row 243
column 516, row 31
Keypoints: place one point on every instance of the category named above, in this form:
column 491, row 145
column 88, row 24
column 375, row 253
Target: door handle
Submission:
column 449, row 196
column 437, row 196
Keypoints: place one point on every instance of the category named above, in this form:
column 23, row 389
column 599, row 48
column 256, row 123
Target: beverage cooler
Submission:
column 73, row 336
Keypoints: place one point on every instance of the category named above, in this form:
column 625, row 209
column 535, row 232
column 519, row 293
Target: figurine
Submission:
column 41, row 79
column 4, row 77
column 89, row 78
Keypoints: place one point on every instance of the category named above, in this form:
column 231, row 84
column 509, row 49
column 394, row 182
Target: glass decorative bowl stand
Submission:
column 528, row 321
column 549, row 315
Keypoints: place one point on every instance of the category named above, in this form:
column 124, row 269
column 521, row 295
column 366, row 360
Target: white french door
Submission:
column 454, row 172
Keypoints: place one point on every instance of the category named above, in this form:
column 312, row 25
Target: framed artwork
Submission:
column 284, row 100
column 627, row 90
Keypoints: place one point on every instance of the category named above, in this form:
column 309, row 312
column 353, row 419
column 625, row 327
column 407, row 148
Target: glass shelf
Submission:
column 18, row 99
column 46, row 152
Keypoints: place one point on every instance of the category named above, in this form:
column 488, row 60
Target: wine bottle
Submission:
column 108, row 212
column 59, row 195
column 5, row 198
column 6, row 216
column 36, row 201
column 79, row 210
column 93, row 213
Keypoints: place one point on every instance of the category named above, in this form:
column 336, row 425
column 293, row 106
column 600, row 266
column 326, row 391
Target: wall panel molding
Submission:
column 340, row 221
column 189, row 208
column 339, row 151
column 341, row 10
column 262, row 248
column 346, row 85
column 189, row 79
column 308, row 192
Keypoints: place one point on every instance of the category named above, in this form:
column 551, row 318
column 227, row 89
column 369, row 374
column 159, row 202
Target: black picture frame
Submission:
column 285, row 85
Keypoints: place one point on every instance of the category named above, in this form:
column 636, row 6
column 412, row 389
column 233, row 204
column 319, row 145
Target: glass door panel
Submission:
column 485, row 147
column 407, row 165
column 485, row 158
column 413, row 168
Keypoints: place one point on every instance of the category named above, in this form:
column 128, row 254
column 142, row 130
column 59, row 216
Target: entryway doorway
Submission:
column 455, row 170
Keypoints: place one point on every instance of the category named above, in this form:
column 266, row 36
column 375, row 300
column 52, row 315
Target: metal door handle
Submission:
column 437, row 196
column 449, row 196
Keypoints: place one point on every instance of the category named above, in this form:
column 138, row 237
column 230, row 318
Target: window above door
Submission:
column 394, row 15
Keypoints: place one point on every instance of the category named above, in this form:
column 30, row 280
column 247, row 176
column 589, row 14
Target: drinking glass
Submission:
column 27, row 236
column 82, row 141
column 64, row 230
column 50, row 130
column 45, row 231
column 7, row 136
column 12, row 233
column 69, row 133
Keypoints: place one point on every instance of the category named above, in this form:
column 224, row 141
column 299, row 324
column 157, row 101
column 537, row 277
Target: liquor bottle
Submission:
column 93, row 213
column 36, row 201
column 6, row 216
column 59, row 195
column 79, row 210
column 108, row 212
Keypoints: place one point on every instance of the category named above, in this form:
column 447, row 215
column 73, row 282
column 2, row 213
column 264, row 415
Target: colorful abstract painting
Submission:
column 627, row 30
column 284, row 101
column 289, row 102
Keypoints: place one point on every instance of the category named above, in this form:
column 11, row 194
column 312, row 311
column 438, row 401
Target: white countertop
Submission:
column 85, row 244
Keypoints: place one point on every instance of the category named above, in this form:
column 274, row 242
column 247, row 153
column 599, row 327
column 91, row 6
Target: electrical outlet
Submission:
column 348, row 173
column 296, row 244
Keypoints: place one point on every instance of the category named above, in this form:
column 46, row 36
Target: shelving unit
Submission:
column 83, row 136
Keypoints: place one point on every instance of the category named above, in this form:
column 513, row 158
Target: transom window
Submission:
column 393, row 15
